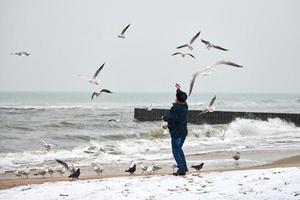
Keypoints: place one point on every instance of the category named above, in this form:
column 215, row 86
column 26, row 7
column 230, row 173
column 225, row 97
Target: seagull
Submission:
column 210, row 107
column 75, row 174
column 47, row 145
column 144, row 169
column 210, row 45
column 98, row 169
column 237, row 156
column 93, row 80
column 198, row 167
column 189, row 45
column 21, row 53
column 208, row 70
column 149, row 108
column 98, row 93
column 183, row 54
column 156, row 168
column 123, row 32
column 65, row 165
column 115, row 120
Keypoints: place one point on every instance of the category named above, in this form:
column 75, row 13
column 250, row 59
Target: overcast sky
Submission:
column 69, row 37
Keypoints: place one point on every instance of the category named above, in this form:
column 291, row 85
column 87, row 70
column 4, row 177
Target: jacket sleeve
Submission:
column 171, row 117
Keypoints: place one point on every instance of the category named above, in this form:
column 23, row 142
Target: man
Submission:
column 177, row 125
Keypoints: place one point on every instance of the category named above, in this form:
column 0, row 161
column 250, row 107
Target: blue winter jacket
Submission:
column 177, row 120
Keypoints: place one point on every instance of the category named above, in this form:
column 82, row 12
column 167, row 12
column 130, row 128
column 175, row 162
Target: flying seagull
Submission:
column 123, row 32
column 198, row 167
column 189, row 45
column 183, row 54
column 93, row 80
column 65, row 165
column 98, row 93
column 47, row 145
column 210, row 45
column 210, row 107
column 21, row 53
column 208, row 70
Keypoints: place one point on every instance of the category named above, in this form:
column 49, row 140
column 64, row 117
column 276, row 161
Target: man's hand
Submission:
column 177, row 86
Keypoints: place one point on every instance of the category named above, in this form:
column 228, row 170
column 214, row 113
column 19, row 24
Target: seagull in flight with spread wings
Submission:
column 183, row 54
column 210, row 107
column 123, row 32
column 98, row 93
column 93, row 80
column 189, row 44
column 210, row 45
column 208, row 70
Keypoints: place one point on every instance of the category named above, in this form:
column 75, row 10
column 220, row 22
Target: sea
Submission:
column 78, row 127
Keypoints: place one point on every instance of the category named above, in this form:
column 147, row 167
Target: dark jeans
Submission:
column 178, row 153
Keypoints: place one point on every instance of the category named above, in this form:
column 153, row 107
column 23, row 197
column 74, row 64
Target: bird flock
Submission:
column 151, row 169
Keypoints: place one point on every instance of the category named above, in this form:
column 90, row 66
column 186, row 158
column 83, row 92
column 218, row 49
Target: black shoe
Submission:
column 186, row 170
column 178, row 173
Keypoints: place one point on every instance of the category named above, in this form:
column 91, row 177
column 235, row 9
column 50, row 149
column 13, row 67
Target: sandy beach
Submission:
column 10, row 181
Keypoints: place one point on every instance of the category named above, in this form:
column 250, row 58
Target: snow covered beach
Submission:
column 273, row 183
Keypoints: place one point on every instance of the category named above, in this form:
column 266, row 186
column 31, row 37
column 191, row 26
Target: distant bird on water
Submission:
column 47, row 145
column 21, row 53
column 208, row 70
column 98, row 93
column 210, row 107
column 189, row 45
column 183, row 54
column 93, row 80
column 198, row 167
column 210, row 45
column 123, row 32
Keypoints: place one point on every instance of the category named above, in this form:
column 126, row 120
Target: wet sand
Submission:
column 118, row 171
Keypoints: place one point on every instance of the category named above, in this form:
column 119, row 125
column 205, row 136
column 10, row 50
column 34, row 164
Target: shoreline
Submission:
column 292, row 161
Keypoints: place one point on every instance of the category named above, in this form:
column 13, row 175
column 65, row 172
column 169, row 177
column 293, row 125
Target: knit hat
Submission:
column 181, row 96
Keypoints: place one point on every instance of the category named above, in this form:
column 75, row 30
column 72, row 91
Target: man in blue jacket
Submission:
column 177, row 125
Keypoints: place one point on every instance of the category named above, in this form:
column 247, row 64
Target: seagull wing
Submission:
column 229, row 63
column 176, row 53
column 193, row 82
column 106, row 91
column 205, row 42
column 63, row 164
column 220, row 48
column 97, row 72
column 185, row 45
column 94, row 93
column 190, row 55
column 212, row 101
column 112, row 120
column 203, row 112
column 195, row 37
column 44, row 141
column 124, row 30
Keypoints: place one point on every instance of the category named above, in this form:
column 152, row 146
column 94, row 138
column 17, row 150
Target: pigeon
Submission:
column 123, row 32
column 189, row 45
column 47, row 145
column 21, row 53
column 210, row 45
column 183, row 54
column 98, row 93
column 93, row 80
column 198, row 167
column 131, row 169
column 65, row 165
column 210, row 107
column 208, row 70
column 75, row 174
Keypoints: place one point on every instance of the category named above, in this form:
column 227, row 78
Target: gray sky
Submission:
column 70, row 37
